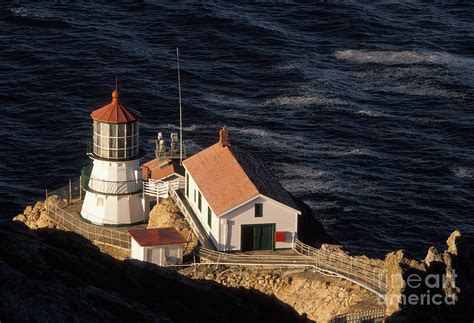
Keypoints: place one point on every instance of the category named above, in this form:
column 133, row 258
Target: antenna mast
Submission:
column 180, row 112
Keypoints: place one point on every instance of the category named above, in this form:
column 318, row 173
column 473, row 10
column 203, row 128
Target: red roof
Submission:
column 229, row 177
column 156, row 237
column 152, row 169
column 114, row 112
column 221, row 179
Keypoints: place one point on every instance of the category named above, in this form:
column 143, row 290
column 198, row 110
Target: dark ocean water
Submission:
column 364, row 111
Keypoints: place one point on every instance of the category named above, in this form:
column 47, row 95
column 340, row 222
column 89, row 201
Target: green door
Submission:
column 257, row 237
column 246, row 238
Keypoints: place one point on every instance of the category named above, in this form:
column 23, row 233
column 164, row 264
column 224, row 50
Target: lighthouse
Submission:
column 113, row 182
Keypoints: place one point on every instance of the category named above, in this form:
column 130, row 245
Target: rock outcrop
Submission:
column 58, row 276
column 438, row 289
column 166, row 214
column 36, row 216
column 316, row 296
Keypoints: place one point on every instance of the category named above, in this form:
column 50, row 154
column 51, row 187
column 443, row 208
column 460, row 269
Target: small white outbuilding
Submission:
column 162, row 246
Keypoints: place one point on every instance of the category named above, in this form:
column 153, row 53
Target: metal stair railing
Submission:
column 199, row 232
column 374, row 315
column 355, row 269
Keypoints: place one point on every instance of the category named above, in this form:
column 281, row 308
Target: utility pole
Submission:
column 180, row 113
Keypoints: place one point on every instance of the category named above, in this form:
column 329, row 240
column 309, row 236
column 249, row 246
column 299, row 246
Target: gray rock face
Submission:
column 57, row 276
column 438, row 289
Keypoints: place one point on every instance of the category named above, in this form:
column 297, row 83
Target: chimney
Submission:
column 224, row 137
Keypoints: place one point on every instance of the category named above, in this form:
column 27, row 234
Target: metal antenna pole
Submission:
column 180, row 113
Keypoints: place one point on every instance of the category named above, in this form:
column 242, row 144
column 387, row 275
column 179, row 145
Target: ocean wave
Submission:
column 366, row 113
column 224, row 100
column 463, row 172
column 296, row 145
column 422, row 90
column 19, row 12
column 304, row 101
column 402, row 57
column 35, row 18
column 301, row 179
column 413, row 80
column 172, row 127
column 267, row 139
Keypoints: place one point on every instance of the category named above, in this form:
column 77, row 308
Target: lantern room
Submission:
column 116, row 131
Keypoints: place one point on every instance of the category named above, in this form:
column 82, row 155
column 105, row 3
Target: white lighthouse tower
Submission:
column 113, row 184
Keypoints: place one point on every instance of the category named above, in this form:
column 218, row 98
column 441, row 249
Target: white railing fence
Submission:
column 344, row 266
column 92, row 232
column 110, row 187
column 360, row 271
column 161, row 189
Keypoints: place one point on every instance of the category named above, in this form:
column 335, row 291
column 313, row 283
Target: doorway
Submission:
column 257, row 237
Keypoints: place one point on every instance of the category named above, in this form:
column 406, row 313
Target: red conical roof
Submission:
column 114, row 112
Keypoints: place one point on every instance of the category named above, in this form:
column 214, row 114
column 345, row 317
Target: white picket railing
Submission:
column 161, row 189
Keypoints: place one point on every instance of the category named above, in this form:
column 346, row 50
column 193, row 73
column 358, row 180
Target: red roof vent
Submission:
column 114, row 112
column 224, row 137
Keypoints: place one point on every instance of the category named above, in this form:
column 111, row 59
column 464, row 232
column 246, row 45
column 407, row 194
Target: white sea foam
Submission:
column 297, row 146
column 402, row 57
column 302, row 179
column 463, row 172
column 19, row 12
column 268, row 139
column 223, row 100
column 421, row 90
column 285, row 66
column 303, row 101
column 366, row 113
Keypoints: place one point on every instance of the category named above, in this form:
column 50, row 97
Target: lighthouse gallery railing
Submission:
column 92, row 184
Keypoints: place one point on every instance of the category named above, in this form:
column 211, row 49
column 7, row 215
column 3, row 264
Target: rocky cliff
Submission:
column 438, row 289
column 36, row 216
column 314, row 295
column 58, row 276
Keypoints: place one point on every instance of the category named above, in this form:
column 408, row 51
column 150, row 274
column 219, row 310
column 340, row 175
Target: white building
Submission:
column 114, row 183
column 163, row 246
column 238, row 201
